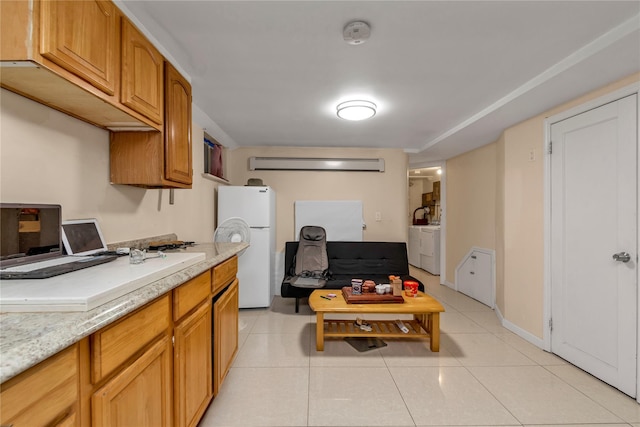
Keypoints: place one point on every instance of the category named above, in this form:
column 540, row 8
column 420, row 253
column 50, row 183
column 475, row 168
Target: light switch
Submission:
column 378, row 216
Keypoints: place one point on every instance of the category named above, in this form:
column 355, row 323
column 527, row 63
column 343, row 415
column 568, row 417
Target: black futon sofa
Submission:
column 348, row 260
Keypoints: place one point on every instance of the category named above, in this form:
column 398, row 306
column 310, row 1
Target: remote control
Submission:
column 401, row 326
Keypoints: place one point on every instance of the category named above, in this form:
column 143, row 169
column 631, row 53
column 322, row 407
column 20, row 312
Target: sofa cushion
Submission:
column 348, row 260
column 367, row 258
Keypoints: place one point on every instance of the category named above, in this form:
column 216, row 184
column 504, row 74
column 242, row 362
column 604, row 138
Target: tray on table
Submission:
column 370, row 297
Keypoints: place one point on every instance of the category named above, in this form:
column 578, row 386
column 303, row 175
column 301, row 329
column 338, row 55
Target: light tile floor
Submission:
column 484, row 375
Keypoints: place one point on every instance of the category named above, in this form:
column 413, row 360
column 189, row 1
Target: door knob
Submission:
column 622, row 256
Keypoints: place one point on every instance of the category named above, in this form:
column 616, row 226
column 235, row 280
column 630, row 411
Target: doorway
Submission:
column 427, row 187
column 592, row 230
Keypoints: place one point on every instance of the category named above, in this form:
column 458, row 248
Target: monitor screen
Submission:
column 29, row 233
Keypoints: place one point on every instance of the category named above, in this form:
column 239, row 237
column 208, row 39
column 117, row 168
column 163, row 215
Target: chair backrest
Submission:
column 311, row 256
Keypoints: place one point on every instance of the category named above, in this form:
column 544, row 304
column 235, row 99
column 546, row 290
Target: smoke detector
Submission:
column 356, row 32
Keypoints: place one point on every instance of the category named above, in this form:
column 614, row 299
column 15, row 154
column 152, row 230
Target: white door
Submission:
column 593, row 217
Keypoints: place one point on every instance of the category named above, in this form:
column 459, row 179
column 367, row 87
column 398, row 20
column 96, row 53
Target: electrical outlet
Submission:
column 378, row 216
column 532, row 155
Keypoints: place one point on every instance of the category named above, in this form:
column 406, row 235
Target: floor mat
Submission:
column 365, row 344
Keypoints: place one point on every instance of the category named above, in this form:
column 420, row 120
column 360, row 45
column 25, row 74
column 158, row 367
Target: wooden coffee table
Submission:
column 425, row 324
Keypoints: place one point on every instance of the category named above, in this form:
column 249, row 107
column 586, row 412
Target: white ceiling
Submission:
column 447, row 76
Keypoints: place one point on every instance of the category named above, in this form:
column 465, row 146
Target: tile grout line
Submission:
column 398, row 388
column 493, row 395
column 583, row 393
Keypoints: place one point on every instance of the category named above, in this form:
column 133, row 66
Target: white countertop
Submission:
column 86, row 289
column 426, row 227
column 29, row 338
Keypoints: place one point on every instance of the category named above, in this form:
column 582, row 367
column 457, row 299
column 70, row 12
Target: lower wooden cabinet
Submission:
column 225, row 334
column 133, row 372
column 45, row 395
column 141, row 394
column 193, row 378
column 114, row 345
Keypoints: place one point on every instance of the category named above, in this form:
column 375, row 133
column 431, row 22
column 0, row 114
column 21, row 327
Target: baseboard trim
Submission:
column 528, row 336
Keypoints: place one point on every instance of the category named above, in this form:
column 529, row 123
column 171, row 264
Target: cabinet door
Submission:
column 427, row 245
column 193, row 376
column 44, row 395
column 113, row 345
column 223, row 274
column 436, row 190
column 177, row 127
column 225, row 335
column 142, row 74
column 140, row 395
column 83, row 38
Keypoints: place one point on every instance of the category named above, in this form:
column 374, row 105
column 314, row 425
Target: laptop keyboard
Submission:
column 48, row 263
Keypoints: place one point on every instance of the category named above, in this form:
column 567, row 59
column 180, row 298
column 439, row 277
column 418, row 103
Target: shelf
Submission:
column 215, row 178
column 380, row 328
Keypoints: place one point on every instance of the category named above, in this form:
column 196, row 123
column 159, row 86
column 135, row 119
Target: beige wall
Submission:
column 471, row 193
column 49, row 157
column 380, row 192
column 518, row 220
column 499, row 221
column 523, row 227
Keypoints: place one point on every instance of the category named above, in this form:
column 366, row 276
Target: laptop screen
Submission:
column 82, row 237
column 29, row 233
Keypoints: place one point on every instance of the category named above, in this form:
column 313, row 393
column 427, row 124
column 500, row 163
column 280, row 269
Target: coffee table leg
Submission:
column 320, row 331
column 434, row 323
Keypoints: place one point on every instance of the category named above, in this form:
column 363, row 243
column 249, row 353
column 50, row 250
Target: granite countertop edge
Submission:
column 29, row 338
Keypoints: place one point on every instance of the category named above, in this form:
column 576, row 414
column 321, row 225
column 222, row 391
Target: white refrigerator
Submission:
column 256, row 269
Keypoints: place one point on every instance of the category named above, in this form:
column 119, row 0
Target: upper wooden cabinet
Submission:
column 83, row 37
column 158, row 159
column 67, row 55
column 436, row 190
column 177, row 130
column 142, row 72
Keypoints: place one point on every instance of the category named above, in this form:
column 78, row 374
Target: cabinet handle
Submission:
column 473, row 257
column 472, row 272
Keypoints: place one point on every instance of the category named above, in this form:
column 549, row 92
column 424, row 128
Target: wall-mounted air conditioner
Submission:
column 315, row 164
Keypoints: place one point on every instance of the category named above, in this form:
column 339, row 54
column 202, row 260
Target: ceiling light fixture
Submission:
column 356, row 110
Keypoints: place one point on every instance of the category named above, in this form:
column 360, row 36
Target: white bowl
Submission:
column 380, row 289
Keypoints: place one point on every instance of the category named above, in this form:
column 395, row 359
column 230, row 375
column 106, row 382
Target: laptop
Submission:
column 31, row 242
column 83, row 237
